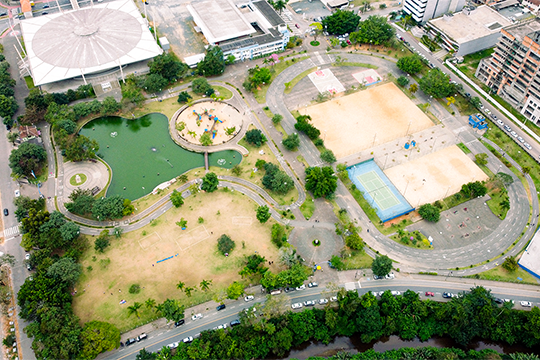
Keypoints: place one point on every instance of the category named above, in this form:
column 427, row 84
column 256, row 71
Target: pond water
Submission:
column 354, row 345
column 142, row 154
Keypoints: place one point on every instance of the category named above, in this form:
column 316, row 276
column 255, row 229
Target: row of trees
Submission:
column 473, row 315
column 8, row 105
column 105, row 208
column 45, row 298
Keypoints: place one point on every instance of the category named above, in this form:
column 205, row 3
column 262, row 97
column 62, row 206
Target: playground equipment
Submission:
column 410, row 144
column 478, row 121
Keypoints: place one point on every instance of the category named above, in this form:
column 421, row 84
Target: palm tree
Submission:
column 188, row 290
column 192, row 133
column 150, row 303
column 134, row 309
column 159, row 308
column 279, row 5
column 413, row 88
column 205, row 284
column 505, row 204
column 181, row 285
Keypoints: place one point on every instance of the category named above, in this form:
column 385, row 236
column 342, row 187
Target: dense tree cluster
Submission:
column 27, row 160
column 472, row 315
column 291, row 142
column 303, row 125
column 429, row 212
column 410, row 64
column 436, row 84
column 321, row 181
column 256, row 77
column 201, row 86
column 255, row 137
column 341, row 22
column 374, row 30
column 168, row 66
column 276, row 179
column 8, row 105
column 210, row 182
column 105, row 208
column 213, row 62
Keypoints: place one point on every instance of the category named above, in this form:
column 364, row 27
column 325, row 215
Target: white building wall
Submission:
column 423, row 10
column 531, row 110
column 473, row 46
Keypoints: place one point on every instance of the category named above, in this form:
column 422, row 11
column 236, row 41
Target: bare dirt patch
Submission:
column 367, row 118
column 193, row 257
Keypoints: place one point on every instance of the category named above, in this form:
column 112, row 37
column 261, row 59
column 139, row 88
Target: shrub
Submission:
column 328, row 156
column 135, row 289
column 429, row 212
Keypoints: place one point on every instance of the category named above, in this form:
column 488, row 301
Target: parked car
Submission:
column 520, row 139
column 289, row 289
column 197, row 317
column 500, row 123
column 525, row 303
column 179, row 323
column 296, row 305
column 188, row 339
column 27, row 256
column 235, row 322
column 514, row 134
column 222, row 326
column 508, row 301
column 507, row 128
column 429, row 293
column 297, row 26
column 141, row 337
column 396, row 293
column 173, row 345
column 333, row 298
column 130, row 341
column 498, row 300
column 309, row 303
column 323, row 301
column 17, row 193
column 377, row 277
column 220, row 307
column 390, row 276
column 487, row 111
column 249, row 298
column 6, row 212
column 447, row 295
column 303, row 287
column 381, row 293
column 528, row 146
column 313, row 284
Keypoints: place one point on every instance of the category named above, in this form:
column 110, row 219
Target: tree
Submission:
column 263, row 214
column 81, row 148
column 181, row 285
column 109, row 208
column 291, row 142
column 210, row 182
column 213, row 62
column 154, row 83
column 182, row 223
column 510, row 263
column 402, row 81
column 200, row 86
column 302, row 124
column 67, row 124
column 66, row 270
column 235, row 290
column 69, row 231
column 436, row 84
column 341, row 22
column 128, row 208
column 27, row 158
column 276, row 119
column 321, row 181
column 82, row 201
column 102, row 242
column 146, row 355
column 373, row 30
column 413, row 88
column 276, row 180
column 188, row 290
column 255, row 137
column 98, row 337
column 328, row 156
column 525, row 170
column 504, row 178
column 429, row 212
column 205, row 285
column 354, row 241
column 110, row 106
column 150, row 303
column 317, row 29
column 475, row 101
column 183, row 97
column 206, row 139
column 172, row 310
column 7, row 259
column 381, row 265
column 279, row 5
column 8, row 106
column 177, row 199
column 481, row 159
column 410, row 64
column 225, row 244
column 167, row 65
column 474, row 189
column 256, row 77
column 134, row 309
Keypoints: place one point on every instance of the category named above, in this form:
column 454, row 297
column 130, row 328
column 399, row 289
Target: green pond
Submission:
column 142, row 154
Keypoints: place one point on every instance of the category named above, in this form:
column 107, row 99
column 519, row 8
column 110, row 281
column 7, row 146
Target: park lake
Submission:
column 142, row 154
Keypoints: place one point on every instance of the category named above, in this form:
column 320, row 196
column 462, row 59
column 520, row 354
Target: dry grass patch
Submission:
column 133, row 258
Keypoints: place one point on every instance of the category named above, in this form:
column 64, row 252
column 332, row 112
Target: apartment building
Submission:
column 512, row 71
column 423, row 10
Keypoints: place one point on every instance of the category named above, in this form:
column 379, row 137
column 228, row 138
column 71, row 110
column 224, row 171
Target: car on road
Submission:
column 220, row 307
column 481, row 106
column 431, row 65
column 27, row 256
column 197, row 317
column 249, row 298
column 487, row 111
column 6, row 212
column 141, row 337
column 514, row 134
column 296, row 305
column 309, row 303
column 455, row 295
column 493, row 116
column 312, row 284
column 289, row 289
column 429, row 293
column 377, row 277
column 509, row 301
column 44, row 13
column 498, row 300
column 188, row 339
column 525, row 303
column 468, row 95
column 297, row 26
column 507, row 128
column 520, row 139
column 17, row 193
column 323, row 301
column 222, row 326
column 390, row 276
column 333, row 298
column 235, row 322
column 500, row 123
column 179, row 323
column 46, row 6
column 303, row 287
column 395, row 293
column 173, row 345
column 528, row 146
column 130, row 341
column 3, row 14
column 447, row 295
column 381, row 293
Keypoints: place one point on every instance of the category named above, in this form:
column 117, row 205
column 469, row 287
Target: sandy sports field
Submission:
column 434, row 176
column 134, row 258
column 361, row 120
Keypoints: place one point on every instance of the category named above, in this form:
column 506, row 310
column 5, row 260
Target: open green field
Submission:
column 501, row 274
column 191, row 255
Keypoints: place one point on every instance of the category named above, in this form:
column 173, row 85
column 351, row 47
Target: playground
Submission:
column 161, row 254
column 434, row 176
column 360, row 121
column 218, row 119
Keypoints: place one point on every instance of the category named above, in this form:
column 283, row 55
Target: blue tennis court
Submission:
column 378, row 190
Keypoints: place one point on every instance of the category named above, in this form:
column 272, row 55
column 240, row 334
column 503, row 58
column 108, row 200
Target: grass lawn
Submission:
column 419, row 241
column 248, row 164
column 464, row 106
column 464, row 148
column 132, row 259
column 501, row 274
column 358, row 259
column 291, row 84
column 308, row 207
column 29, row 82
column 224, row 92
column 497, row 196
column 260, row 94
column 73, row 180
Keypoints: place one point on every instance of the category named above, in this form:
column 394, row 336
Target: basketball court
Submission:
column 324, row 80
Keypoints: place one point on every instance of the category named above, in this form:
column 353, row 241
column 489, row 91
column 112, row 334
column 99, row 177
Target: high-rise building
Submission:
column 423, row 10
column 512, row 71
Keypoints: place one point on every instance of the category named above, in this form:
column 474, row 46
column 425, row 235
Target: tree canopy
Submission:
column 210, row 182
column 98, row 337
column 255, row 137
column 321, row 181
column 26, row 158
column 276, row 179
column 436, row 84
column 410, row 64
column 341, row 22
column 429, row 212
column 200, row 86
column 213, row 62
column 168, row 66
column 263, row 213
column 374, row 30
column 381, row 265
column 256, row 77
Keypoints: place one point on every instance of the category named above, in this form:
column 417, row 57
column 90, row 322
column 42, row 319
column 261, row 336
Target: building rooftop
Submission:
column 528, row 28
column 65, row 45
column 269, row 13
column 530, row 260
column 470, row 25
column 219, row 20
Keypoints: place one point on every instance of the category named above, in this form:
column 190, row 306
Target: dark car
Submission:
column 3, row 14
column 220, row 307
column 6, row 212
column 498, row 301
column 130, row 341
column 446, row 295
column 44, row 13
column 179, row 322
column 45, row 6
column 288, row 289
column 235, row 322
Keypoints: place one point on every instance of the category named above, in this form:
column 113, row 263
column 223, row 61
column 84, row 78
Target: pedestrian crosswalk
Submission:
column 11, row 232
column 352, row 285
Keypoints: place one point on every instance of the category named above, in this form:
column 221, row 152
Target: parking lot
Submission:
column 310, row 9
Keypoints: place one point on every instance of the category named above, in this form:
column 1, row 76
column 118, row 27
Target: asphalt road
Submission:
column 213, row 318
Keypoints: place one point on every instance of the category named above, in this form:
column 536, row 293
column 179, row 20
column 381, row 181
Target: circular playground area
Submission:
column 219, row 120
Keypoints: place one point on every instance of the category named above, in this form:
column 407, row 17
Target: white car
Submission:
column 525, row 303
column 500, row 122
column 188, row 339
column 381, row 293
column 249, row 298
column 528, row 146
column 174, row 345
column 390, row 276
column 396, row 293
column 323, row 301
column 509, row 301
column 303, row 287
column 27, row 256
column 197, row 317
column 487, row 111
column 521, row 140
column 297, row 305
column 309, row 303
column 514, row 134
column 17, row 193
column 223, row 326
